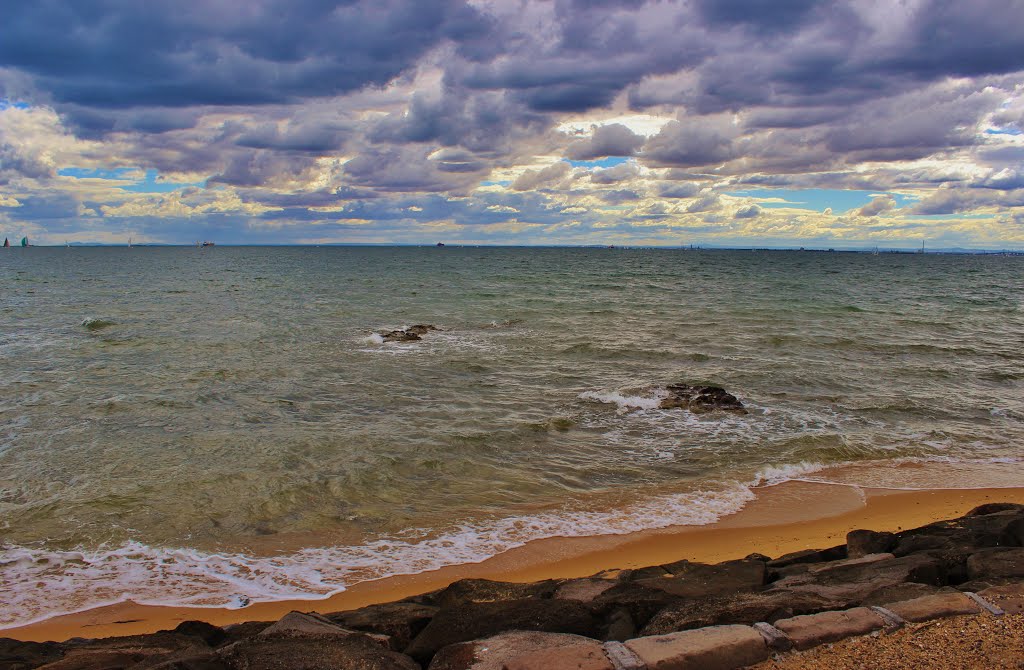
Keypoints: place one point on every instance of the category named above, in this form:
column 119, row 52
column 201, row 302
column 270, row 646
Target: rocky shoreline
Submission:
column 677, row 615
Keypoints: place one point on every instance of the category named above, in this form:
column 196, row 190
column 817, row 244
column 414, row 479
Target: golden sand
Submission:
column 782, row 519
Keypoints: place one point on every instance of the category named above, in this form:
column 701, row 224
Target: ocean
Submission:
column 225, row 425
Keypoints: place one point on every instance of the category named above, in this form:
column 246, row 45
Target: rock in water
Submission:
column 410, row 334
column 701, row 399
column 400, row 336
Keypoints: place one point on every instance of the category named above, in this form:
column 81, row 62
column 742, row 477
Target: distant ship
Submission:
column 205, row 244
column 24, row 242
column 440, row 244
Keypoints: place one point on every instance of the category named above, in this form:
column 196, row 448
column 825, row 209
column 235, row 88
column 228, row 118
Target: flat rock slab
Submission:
column 1009, row 598
column 811, row 630
column 714, row 648
column 494, row 653
column 934, row 607
column 577, row 657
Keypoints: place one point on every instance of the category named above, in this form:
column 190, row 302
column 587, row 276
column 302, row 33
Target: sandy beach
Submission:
column 784, row 518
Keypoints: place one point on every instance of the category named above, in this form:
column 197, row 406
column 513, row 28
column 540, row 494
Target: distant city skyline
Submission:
column 847, row 124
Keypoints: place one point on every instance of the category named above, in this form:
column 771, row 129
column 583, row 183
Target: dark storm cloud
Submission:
column 410, row 168
column 258, row 168
column 116, row 53
column 763, row 14
column 613, row 139
column 481, row 121
column 692, row 142
column 948, row 37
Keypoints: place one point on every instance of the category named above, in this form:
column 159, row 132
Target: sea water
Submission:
column 225, row 425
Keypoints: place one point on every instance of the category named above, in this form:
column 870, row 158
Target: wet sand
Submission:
column 788, row 517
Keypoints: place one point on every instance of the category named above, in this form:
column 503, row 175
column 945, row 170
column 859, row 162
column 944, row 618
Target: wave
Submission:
column 81, row 579
column 94, row 324
column 626, row 402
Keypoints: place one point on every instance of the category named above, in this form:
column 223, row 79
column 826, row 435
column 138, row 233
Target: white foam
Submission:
column 777, row 474
column 78, row 580
column 625, row 402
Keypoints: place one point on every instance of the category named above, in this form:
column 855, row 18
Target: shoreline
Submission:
column 783, row 518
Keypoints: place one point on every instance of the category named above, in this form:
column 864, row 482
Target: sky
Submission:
column 847, row 124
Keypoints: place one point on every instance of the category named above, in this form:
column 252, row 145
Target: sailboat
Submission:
column 7, row 243
column 24, row 242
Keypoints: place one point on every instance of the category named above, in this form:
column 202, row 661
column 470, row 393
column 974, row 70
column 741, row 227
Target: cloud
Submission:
column 613, row 139
column 615, row 174
column 748, row 212
column 691, row 142
column 394, row 119
column 879, row 204
column 532, row 179
column 204, row 53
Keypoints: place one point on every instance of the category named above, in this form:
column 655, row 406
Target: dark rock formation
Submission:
column 478, row 624
column 864, row 542
column 698, row 580
column 745, row 608
column 399, row 621
column 700, row 399
column 466, row 591
column 462, row 623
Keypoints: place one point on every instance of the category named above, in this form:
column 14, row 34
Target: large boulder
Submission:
column 699, row 580
column 848, row 582
column 298, row 641
column 282, row 652
column 18, row 655
column 1001, row 563
column 467, row 591
column 476, row 620
column 700, row 399
column 861, row 543
column 134, row 651
column 400, row 621
column 805, row 556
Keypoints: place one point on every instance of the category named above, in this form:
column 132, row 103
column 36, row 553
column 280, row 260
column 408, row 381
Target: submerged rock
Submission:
column 701, row 399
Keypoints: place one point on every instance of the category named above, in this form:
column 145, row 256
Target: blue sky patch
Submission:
column 610, row 161
column 17, row 104
column 148, row 184
column 816, row 199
